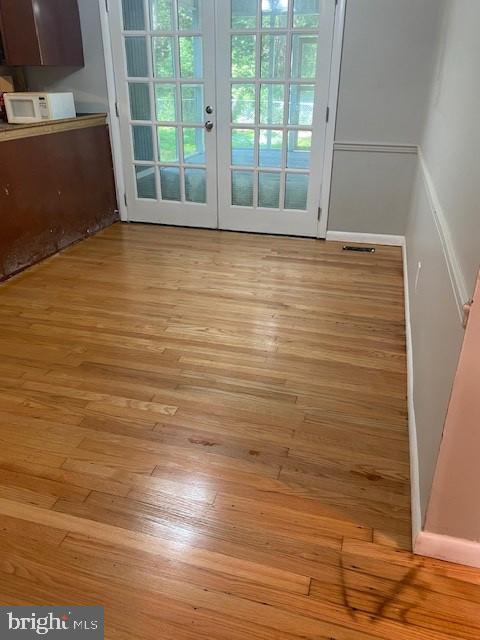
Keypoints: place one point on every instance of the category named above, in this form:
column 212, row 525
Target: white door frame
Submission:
column 114, row 123
column 113, row 119
column 335, row 68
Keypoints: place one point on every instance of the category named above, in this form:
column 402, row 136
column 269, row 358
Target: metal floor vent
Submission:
column 359, row 249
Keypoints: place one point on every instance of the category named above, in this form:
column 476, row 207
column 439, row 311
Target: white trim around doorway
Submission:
column 113, row 120
column 335, row 67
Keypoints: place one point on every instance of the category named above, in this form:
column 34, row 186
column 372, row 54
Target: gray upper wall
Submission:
column 388, row 56
column 88, row 84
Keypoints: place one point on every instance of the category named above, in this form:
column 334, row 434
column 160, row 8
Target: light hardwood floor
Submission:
column 206, row 433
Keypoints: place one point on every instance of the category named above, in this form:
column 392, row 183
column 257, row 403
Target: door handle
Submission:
column 208, row 125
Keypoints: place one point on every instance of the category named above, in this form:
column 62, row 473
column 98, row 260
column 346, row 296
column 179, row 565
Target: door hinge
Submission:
column 319, row 213
column 107, row 8
column 125, row 199
column 117, row 112
column 327, row 116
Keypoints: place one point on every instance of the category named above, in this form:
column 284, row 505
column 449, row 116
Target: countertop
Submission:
column 18, row 131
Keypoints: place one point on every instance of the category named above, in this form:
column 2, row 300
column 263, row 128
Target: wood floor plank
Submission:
column 206, row 433
column 172, row 549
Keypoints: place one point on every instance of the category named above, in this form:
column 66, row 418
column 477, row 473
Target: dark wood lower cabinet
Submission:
column 55, row 189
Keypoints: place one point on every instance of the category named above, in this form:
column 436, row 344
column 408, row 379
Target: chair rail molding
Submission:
column 456, row 276
column 376, row 147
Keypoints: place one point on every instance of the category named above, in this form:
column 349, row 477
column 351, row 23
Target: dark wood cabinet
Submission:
column 41, row 33
column 56, row 187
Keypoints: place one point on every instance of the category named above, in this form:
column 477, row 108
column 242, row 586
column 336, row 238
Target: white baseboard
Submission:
column 434, row 545
column 366, row 238
column 415, row 505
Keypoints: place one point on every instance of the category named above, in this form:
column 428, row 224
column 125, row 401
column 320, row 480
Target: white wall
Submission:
column 387, row 63
column 443, row 232
column 88, row 84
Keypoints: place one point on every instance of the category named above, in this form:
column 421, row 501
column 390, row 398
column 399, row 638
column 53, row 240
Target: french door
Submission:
column 222, row 107
column 164, row 59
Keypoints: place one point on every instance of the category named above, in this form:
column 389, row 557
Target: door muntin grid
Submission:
column 273, row 65
column 163, row 48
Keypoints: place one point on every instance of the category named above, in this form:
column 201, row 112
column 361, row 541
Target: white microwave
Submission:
column 24, row 108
